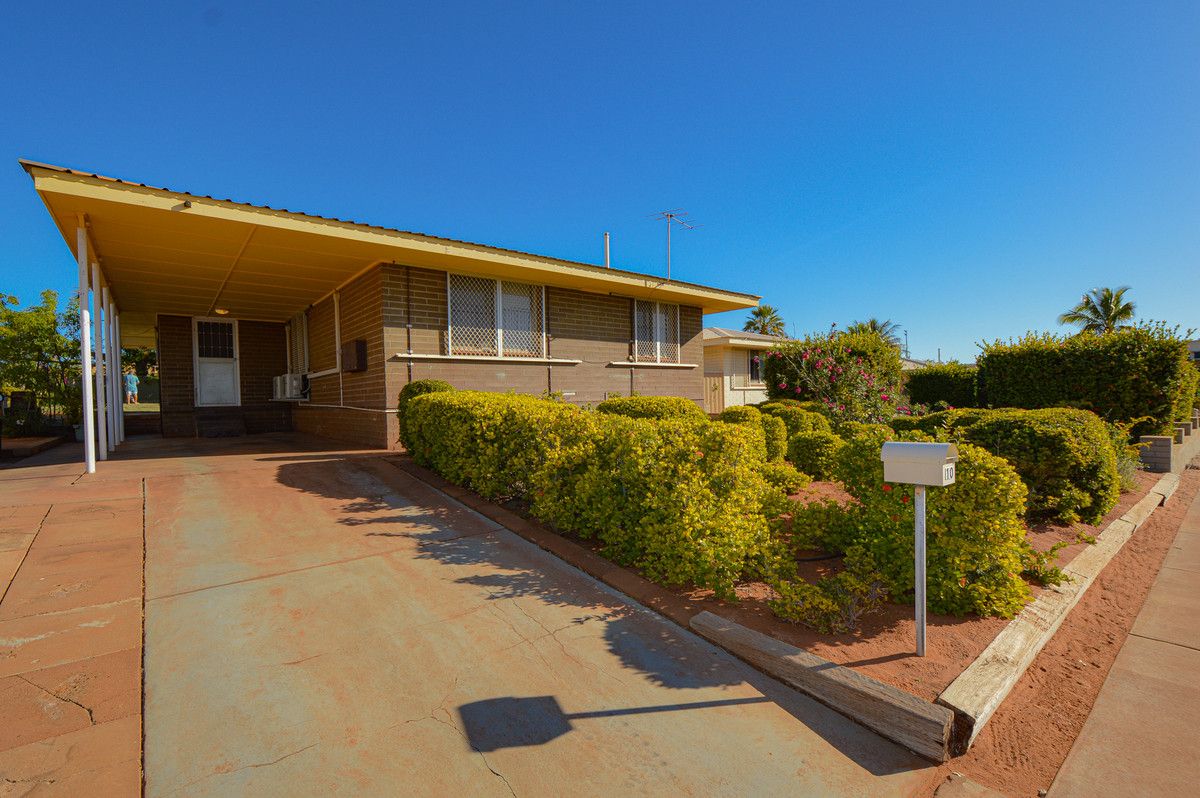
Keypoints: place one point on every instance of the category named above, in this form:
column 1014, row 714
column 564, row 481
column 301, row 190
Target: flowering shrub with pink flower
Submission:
column 855, row 376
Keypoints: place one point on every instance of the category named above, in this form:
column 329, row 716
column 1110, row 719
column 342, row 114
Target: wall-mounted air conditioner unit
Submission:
column 290, row 386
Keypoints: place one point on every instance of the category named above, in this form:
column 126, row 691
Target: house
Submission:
column 733, row 367
column 268, row 319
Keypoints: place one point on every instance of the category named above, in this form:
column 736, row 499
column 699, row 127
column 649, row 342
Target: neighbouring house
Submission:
column 268, row 319
column 1194, row 349
column 911, row 364
column 733, row 367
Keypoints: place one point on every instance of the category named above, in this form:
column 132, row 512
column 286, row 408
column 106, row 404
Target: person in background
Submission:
column 131, row 387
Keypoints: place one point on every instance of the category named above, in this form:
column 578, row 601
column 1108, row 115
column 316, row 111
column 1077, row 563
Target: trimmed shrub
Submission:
column 407, row 394
column 976, row 541
column 815, row 453
column 652, row 407
column 1065, row 457
column 685, row 503
column 740, row 414
column 855, row 376
column 775, row 437
column 833, row 604
column 774, row 432
column 492, row 443
column 1190, row 393
column 857, row 429
column 784, row 476
column 796, row 418
column 952, row 383
column 1139, row 376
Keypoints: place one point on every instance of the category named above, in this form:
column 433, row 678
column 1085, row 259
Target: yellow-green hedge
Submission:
column 685, row 502
column 1065, row 457
column 652, row 407
column 407, row 394
column 976, row 538
column 774, row 431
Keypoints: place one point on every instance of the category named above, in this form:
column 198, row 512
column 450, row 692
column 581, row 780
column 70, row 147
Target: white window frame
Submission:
column 659, row 332
column 750, row 355
column 237, row 361
column 498, row 322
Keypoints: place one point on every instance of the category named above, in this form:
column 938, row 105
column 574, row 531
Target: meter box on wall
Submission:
column 919, row 463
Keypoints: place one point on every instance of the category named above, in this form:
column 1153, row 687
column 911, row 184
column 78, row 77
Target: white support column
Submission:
column 337, row 345
column 85, row 352
column 112, row 362
column 121, row 385
column 98, row 349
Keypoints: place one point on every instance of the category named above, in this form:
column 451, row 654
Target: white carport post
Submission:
column 121, row 380
column 109, row 402
column 85, row 351
column 98, row 348
column 114, row 373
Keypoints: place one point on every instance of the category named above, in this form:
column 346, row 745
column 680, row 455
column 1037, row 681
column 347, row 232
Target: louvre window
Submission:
column 495, row 317
column 656, row 332
column 297, row 334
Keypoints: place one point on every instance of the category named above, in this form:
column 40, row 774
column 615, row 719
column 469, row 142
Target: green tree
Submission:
column 139, row 358
column 887, row 329
column 1101, row 310
column 765, row 320
column 39, row 352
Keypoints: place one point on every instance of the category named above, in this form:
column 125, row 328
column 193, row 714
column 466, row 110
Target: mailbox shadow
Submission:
column 508, row 722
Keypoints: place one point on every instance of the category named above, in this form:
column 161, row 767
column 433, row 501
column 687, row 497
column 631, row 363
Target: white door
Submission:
column 214, row 344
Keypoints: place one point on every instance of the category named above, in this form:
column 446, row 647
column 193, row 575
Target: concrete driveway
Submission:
column 318, row 622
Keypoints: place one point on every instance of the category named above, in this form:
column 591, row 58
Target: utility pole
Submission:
column 674, row 216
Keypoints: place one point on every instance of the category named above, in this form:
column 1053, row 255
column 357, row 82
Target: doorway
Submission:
column 215, row 353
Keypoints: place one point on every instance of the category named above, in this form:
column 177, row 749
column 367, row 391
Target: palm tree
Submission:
column 887, row 329
column 765, row 320
column 1101, row 310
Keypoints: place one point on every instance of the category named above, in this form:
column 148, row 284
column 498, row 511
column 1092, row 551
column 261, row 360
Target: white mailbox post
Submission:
column 919, row 464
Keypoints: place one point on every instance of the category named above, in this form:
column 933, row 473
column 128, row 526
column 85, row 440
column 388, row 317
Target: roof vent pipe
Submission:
column 607, row 262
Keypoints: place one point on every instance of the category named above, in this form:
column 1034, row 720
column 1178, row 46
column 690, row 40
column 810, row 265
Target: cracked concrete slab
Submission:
column 353, row 630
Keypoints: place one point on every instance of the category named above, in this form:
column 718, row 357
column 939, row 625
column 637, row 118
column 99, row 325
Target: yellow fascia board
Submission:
column 394, row 245
column 743, row 343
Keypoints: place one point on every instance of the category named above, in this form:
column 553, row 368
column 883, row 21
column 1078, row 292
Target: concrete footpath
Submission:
column 1142, row 737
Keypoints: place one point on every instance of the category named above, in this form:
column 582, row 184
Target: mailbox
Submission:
column 919, row 463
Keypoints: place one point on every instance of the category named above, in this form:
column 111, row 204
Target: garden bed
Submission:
column 882, row 646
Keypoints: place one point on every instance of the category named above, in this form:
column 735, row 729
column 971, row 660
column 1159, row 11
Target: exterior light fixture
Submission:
column 221, row 311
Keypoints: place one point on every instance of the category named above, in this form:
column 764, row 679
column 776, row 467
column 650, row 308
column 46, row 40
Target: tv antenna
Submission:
column 675, row 216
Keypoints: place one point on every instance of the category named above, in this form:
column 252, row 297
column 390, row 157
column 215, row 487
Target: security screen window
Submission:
column 494, row 317
column 656, row 332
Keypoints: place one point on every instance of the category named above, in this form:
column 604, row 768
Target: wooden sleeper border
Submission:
column 980, row 689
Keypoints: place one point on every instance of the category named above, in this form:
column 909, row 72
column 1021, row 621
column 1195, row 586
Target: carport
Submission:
column 143, row 252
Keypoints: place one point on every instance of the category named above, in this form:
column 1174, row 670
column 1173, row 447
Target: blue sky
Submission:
column 966, row 169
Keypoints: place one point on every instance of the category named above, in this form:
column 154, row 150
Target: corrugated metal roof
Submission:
column 27, row 165
column 723, row 332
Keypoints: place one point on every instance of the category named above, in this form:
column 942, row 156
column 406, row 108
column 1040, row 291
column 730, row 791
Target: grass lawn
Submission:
column 142, row 407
